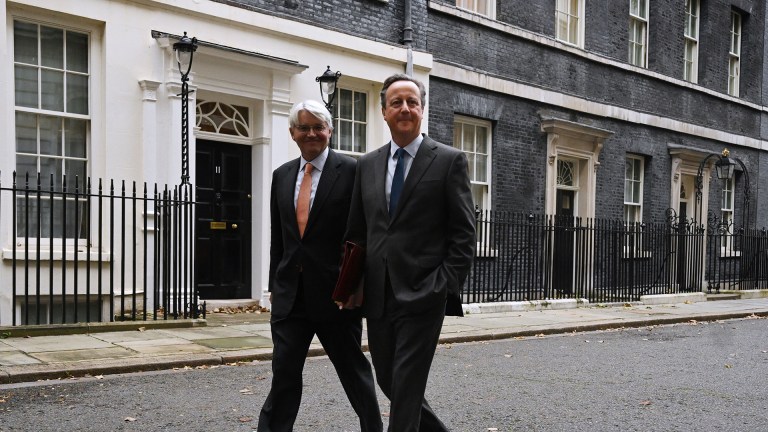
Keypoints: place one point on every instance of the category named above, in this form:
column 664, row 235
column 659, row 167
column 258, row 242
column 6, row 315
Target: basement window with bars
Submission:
column 52, row 122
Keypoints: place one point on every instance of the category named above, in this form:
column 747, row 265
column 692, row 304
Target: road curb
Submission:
column 580, row 328
column 41, row 372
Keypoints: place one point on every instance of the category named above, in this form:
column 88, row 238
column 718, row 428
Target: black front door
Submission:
column 563, row 248
column 223, row 180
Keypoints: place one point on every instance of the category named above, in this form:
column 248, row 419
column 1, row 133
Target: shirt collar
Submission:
column 411, row 148
column 317, row 163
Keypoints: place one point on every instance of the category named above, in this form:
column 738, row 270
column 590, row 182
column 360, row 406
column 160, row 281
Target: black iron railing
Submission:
column 737, row 258
column 536, row 257
column 87, row 252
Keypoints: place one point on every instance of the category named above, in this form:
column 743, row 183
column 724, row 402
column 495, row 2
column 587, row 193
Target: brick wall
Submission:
column 371, row 19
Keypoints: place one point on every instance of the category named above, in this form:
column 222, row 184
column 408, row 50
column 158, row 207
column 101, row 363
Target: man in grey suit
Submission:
column 309, row 206
column 412, row 210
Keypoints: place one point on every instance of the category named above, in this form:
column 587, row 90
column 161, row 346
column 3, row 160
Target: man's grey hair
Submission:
column 402, row 77
column 313, row 107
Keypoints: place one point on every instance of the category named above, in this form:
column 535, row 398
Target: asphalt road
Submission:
column 685, row 377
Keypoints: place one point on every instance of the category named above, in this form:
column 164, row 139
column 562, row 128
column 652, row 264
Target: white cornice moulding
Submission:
column 550, row 97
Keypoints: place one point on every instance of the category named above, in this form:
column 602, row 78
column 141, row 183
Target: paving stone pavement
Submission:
column 242, row 337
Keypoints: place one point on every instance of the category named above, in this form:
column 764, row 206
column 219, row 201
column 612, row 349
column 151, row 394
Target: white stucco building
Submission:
column 91, row 88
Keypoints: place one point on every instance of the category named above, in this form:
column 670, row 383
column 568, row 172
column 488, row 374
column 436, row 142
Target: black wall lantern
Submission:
column 328, row 81
column 725, row 168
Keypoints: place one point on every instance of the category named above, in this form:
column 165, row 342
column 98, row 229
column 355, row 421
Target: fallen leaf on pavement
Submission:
column 245, row 419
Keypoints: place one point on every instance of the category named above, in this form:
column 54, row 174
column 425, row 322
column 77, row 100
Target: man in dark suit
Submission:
column 309, row 208
column 412, row 210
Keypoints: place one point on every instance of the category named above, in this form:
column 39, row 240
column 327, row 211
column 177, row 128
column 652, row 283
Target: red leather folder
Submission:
column 348, row 287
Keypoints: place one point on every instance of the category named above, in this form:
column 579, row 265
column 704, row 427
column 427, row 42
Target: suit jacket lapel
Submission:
column 419, row 166
column 285, row 197
column 327, row 179
column 380, row 176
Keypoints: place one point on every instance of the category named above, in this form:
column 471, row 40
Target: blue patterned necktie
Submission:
column 397, row 181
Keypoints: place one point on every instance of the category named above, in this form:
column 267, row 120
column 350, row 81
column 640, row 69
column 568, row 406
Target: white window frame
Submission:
column 571, row 13
column 338, row 120
column 635, row 246
column 637, row 177
column 734, row 54
column 727, row 199
column 94, row 58
column 638, row 33
column 485, row 238
column 691, row 34
column 486, row 8
column 479, row 187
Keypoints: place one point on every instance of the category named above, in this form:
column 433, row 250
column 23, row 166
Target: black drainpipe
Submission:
column 408, row 37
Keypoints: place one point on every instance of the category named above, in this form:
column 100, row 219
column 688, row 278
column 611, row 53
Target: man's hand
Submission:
column 354, row 301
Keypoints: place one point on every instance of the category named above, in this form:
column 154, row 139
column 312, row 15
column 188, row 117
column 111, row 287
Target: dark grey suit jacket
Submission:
column 426, row 248
column 317, row 255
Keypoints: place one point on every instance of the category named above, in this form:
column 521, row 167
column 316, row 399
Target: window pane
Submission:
column 361, row 105
column 26, row 133
column 457, row 133
column 50, row 166
column 469, row 138
column 27, row 216
column 573, row 35
column 627, row 191
column 360, row 140
column 562, row 26
column 471, row 163
column 481, row 168
column 479, row 193
column 574, row 7
column 75, row 138
column 25, row 42
column 52, row 90
column 25, row 165
column 77, row 52
column 75, row 174
column 50, row 135
column 25, row 83
column 482, row 140
column 52, row 47
column 345, row 104
column 636, row 192
column 77, row 93
column 345, row 136
column 636, row 169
